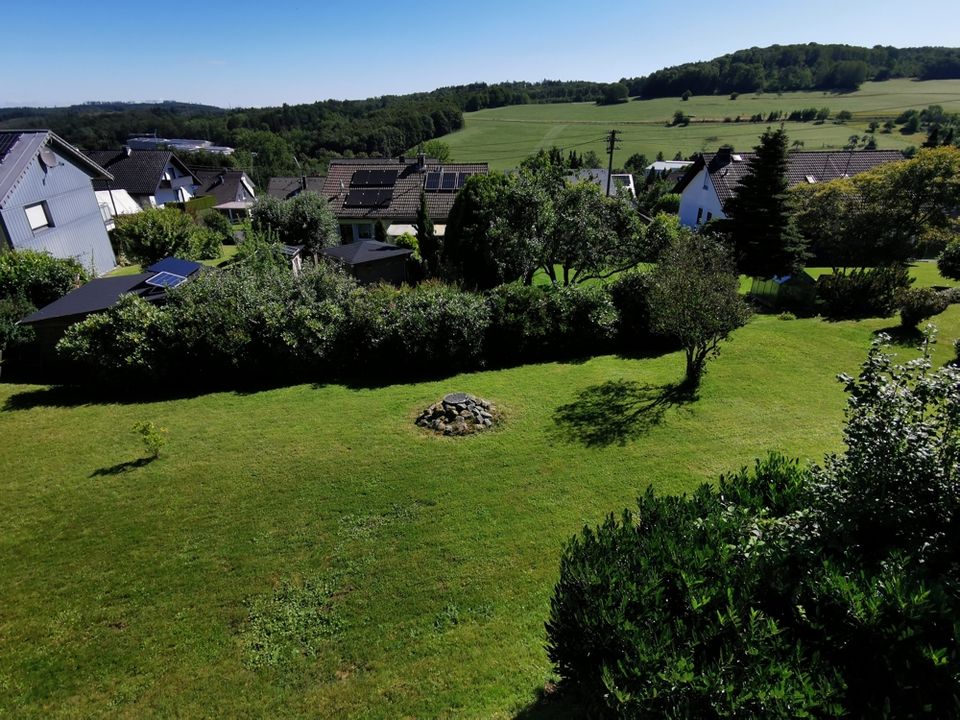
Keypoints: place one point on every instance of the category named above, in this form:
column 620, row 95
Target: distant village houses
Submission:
column 152, row 178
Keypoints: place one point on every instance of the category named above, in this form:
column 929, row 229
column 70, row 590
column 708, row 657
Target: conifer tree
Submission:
column 759, row 222
column 427, row 239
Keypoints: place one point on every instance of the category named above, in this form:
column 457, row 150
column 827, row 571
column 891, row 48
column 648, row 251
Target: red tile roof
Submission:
column 405, row 202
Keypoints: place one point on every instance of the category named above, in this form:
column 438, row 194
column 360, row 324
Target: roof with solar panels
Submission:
column 103, row 293
column 389, row 188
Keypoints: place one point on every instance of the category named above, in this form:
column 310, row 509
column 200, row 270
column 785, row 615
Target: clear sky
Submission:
column 272, row 51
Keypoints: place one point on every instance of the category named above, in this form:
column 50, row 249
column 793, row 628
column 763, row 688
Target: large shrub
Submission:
column 12, row 310
column 133, row 340
column 917, row 304
column 785, row 592
column 861, row 293
column 305, row 219
column 157, row 233
column 949, row 261
column 38, row 277
column 630, row 294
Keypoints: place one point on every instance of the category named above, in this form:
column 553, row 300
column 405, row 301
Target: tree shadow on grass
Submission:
column 902, row 336
column 618, row 411
column 123, row 467
column 553, row 704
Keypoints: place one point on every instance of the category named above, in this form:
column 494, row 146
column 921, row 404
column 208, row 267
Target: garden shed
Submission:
column 371, row 261
column 786, row 292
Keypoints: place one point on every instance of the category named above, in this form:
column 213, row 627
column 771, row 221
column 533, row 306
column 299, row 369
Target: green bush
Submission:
column 155, row 233
column 132, row 340
column 152, row 436
column 219, row 223
column 205, row 244
column 38, row 277
column 784, row 592
column 861, row 293
column 630, row 296
column 918, row 304
column 949, row 261
column 12, row 310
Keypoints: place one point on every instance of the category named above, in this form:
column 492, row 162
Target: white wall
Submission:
column 699, row 197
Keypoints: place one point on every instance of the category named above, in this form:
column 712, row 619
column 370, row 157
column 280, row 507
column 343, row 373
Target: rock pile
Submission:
column 459, row 414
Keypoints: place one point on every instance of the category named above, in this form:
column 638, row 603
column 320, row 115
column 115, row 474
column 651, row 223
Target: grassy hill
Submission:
column 504, row 136
column 134, row 588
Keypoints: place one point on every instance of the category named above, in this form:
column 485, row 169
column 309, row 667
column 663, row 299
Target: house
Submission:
column 51, row 321
column 370, row 261
column 364, row 191
column 666, row 169
column 114, row 203
column 232, row 189
column 284, row 188
column 599, row 176
column 152, row 177
column 713, row 178
column 47, row 201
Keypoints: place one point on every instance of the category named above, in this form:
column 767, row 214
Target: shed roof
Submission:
column 366, row 251
column 139, row 172
column 94, row 296
column 177, row 266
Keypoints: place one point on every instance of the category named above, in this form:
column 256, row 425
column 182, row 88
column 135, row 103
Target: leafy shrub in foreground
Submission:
column 862, row 293
column 918, row 304
column 785, row 592
column 38, row 277
column 949, row 261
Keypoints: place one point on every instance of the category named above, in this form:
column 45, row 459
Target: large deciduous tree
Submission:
column 305, row 219
column 694, row 296
column 759, row 218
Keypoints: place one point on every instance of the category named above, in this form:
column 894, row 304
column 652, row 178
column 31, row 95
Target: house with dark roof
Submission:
column 284, row 188
column 370, row 261
column 599, row 176
column 232, row 189
column 151, row 177
column 47, row 200
column 364, row 191
column 713, row 178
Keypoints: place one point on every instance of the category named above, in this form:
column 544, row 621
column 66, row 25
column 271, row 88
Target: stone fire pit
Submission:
column 459, row 414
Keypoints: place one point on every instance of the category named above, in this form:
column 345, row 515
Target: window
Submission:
column 709, row 216
column 365, row 231
column 699, row 215
column 38, row 215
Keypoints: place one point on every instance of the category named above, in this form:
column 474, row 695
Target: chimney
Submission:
column 303, row 183
column 403, row 159
column 421, row 162
column 127, row 150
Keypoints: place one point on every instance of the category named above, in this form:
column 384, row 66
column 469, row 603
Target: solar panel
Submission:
column 462, row 178
column 370, row 198
column 449, row 181
column 373, row 178
column 433, row 181
column 166, row 280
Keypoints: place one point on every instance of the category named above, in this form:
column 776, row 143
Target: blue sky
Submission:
column 266, row 53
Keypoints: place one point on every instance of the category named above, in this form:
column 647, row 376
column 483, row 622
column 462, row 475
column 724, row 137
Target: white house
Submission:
column 713, row 178
column 152, row 177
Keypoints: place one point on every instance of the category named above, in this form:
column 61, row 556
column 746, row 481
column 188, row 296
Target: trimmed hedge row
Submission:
column 264, row 322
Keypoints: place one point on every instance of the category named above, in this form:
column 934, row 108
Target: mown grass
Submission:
column 504, row 136
column 226, row 254
column 306, row 551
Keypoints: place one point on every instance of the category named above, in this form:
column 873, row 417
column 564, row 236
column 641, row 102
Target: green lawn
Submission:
column 226, row 253
column 504, row 136
column 125, row 586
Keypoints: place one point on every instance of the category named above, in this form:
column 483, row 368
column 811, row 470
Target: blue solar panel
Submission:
column 449, row 181
column 184, row 268
column 433, row 181
column 166, row 280
column 462, row 178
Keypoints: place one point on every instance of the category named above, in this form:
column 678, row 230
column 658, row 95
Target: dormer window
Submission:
column 811, row 179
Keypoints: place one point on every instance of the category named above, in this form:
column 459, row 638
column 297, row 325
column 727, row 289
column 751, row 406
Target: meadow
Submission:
column 504, row 136
column 307, row 551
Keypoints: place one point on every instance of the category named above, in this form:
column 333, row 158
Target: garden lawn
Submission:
column 131, row 588
column 226, row 254
column 504, row 136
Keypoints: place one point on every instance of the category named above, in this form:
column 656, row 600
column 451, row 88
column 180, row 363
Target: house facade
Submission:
column 713, row 178
column 362, row 192
column 152, row 177
column 233, row 191
column 47, row 200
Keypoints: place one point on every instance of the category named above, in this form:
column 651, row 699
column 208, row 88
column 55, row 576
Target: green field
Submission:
column 133, row 588
column 504, row 136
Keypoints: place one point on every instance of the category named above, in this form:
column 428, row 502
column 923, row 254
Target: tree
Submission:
column 614, row 93
column 694, row 296
column 427, row 242
column 592, row 236
column 437, row 149
column 591, row 159
column 38, row 277
column 759, row 220
column 305, row 219
column 157, row 233
column 636, row 163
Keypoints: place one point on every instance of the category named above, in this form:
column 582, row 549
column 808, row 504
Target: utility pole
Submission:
column 611, row 146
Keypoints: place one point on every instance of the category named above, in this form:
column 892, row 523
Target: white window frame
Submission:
column 37, row 212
